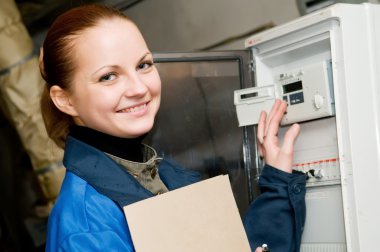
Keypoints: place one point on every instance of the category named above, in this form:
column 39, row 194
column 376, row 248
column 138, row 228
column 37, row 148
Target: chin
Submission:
column 142, row 130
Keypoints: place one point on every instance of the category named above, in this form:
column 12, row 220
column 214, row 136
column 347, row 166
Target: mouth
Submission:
column 134, row 109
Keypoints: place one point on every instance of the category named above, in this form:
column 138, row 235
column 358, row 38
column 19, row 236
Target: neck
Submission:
column 126, row 148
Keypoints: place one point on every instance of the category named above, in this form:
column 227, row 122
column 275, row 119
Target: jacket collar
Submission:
column 108, row 178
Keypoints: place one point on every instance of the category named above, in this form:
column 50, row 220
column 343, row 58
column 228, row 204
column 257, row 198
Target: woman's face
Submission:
column 116, row 88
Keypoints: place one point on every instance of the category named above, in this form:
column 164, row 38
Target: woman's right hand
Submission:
column 275, row 154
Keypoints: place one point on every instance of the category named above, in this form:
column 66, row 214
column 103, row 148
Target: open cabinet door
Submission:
column 197, row 123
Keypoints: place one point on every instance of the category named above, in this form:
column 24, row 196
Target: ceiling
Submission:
column 39, row 14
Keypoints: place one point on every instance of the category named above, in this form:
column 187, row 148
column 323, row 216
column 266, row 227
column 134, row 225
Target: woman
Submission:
column 101, row 97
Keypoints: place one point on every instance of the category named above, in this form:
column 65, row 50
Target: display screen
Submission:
column 249, row 95
column 291, row 87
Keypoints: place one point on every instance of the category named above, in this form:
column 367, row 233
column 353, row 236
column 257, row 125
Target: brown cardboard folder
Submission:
column 200, row 217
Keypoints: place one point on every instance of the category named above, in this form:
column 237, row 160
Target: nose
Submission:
column 135, row 86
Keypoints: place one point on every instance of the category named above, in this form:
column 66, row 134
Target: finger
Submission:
column 261, row 151
column 259, row 249
column 275, row 107
column 290, row 137
column 274, row 123
column 261, row 127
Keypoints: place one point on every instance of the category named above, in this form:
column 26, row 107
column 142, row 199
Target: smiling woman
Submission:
column 101, row 97
column 129, row 87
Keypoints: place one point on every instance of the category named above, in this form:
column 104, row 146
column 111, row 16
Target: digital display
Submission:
column 291, row 87
column 296, row 98
column 249, row 95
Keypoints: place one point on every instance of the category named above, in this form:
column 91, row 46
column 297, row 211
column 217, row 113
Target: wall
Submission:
column 174, row 25
column 182, row 25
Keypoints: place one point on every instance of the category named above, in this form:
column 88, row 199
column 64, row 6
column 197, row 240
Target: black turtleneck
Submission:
column 126, row 148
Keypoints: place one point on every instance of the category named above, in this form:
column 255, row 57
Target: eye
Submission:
column 108, row 77
column 145, row 65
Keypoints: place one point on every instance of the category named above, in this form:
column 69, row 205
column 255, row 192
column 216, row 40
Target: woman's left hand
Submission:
column 276, row 155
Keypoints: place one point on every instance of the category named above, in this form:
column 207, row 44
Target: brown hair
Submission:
column 56, row 61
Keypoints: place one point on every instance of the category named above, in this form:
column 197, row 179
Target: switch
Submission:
column 318, row 174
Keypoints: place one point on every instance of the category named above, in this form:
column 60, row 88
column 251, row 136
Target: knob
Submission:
column 318, row 101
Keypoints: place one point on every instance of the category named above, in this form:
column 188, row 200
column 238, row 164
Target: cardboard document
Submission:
column 196, row 218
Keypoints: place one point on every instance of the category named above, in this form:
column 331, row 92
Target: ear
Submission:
column 62, row 100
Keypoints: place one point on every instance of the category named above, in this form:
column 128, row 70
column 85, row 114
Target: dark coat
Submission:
column 87, row 215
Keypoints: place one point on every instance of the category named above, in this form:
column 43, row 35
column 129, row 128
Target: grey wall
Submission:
column 173, row 25
column 186, row 25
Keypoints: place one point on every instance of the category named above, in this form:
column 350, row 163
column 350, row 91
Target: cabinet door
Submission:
column 197, row 123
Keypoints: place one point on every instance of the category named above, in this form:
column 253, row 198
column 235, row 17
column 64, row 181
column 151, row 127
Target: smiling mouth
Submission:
column 133, row 109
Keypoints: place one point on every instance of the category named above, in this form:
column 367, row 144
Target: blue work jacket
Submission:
column 88, row 216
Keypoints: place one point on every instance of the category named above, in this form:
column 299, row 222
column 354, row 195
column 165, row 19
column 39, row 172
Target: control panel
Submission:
column 307, row 90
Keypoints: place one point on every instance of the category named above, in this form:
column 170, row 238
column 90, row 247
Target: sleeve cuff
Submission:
column 274, row 175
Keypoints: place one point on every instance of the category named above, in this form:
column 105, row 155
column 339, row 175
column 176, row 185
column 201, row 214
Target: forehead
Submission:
column 110, row 41
column 111, row 31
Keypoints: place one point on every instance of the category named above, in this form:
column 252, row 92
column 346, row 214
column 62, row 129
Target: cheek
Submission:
column 154, row 84
column 96, row 100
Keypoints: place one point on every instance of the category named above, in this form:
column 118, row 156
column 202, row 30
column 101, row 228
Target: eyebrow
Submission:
column 116, row 66
column 143, row 57
column 107, row 66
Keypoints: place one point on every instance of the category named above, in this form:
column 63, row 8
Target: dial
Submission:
column 318, row 101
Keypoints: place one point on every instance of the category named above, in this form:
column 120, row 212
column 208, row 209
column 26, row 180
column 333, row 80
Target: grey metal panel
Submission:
column 197, row 123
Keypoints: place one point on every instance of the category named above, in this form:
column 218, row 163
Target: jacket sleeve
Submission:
column 277, row 216
column 96, row 241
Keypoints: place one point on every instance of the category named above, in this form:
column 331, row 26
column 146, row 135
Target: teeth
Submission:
column 134, row 109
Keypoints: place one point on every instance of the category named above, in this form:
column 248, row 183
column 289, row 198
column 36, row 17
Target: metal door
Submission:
column 197, row 124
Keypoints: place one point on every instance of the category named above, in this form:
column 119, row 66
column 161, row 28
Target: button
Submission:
column 285, row 98
column 296, row 188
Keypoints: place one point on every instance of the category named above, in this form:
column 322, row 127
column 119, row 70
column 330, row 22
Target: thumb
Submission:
column 259, row 249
